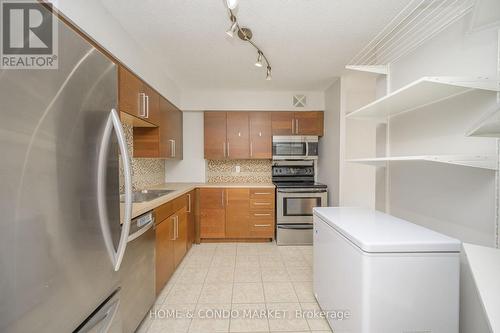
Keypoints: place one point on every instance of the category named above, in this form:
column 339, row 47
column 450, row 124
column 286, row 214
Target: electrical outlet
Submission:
column 238, row 169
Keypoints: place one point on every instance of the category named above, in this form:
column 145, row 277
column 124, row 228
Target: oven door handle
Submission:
column 301, row 191
column 295, row 227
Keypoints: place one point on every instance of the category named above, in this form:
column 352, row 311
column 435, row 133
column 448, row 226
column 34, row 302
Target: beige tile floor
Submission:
column 238, row 278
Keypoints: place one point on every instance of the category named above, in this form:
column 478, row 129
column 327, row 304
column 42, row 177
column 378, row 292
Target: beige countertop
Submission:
column 183, row 188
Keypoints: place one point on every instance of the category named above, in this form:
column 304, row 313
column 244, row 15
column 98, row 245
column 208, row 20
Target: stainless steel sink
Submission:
column 146, row 195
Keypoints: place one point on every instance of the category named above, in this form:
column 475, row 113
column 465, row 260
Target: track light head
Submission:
column 232, row 4
column 258, row 63
column 230, row 32
column 269, row 74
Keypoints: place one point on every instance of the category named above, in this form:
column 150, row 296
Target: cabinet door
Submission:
column 282, row 123
column 215, row 135
column 238, row 144
column 180, row 243
column 237, row 212
column 164, row 253
column 260, row 135
column 212, row 213
column 175, row 131
column 170, row 130
column 191, row 218
column 152, row 114
column 309, row 123
column 130, row 94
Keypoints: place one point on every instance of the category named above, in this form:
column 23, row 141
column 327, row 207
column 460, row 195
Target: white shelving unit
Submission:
column 420, row 93
column 476, row 161
column 487, row 127
column 484, row 263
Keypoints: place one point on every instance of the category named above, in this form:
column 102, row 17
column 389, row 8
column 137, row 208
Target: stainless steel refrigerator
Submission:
column 61, row 243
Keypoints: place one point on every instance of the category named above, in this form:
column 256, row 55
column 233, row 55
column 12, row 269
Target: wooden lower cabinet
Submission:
column 164, row 253
column 180, row 241
column 237, row 213
column 212, row 213
column 171, row 239
column 191, row 218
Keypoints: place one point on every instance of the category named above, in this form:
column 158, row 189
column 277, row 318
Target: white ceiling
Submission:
column 308, row 42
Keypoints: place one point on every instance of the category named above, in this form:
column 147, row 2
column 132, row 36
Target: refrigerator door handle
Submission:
column 116, row 256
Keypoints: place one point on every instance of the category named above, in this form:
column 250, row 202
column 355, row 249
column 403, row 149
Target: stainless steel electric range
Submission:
column 297, row 194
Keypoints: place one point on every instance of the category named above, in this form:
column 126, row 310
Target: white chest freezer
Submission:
column 375, row 273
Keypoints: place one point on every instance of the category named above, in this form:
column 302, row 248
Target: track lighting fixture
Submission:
column 234, row 26
column 258, row 63
column 268, row 75
column 245, row 34
column 232, row 4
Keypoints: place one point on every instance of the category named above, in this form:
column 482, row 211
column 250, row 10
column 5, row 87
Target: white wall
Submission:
column 454, row 52
column 93, row 18
column 192, row 166
column 250, row 100
column 329, row 144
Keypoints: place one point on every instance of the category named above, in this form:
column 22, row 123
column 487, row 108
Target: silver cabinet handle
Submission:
column 263, row 214
column 262, row 193
column 173, row 224
column 147, row 106
column 228, row 149
column 296, row 126
column 189, row 203
column 176, row 227
column 142, row 105
column 172, row 147
column 251, row 148
column 222, row 198
column 261, row 225
column 175, row 148
column 293, row 126
column 262, row 203
column 224, row 148
column 116, row 256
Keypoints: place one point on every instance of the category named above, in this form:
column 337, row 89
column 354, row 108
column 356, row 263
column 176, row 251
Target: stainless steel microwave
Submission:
column 295, row 147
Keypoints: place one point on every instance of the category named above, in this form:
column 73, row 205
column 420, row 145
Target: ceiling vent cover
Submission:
column 299, row 101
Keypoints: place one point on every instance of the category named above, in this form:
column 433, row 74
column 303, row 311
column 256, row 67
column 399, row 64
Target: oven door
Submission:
column 295, row 206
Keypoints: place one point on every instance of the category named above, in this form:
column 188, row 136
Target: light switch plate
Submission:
column 238, row 169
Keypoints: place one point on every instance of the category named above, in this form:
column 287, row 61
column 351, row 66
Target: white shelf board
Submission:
column 484, row 263
column 425, row 91
column 487, row 127
column 377, row 69
column 475, row 161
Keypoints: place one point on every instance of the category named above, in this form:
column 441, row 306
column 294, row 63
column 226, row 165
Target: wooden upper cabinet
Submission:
column 136, row 98
column 170, row 135
column 212, row 213
column 260, row 135
column 129, row 93
column 215, row 135
column 238, row 145
column 152, row 105
column 282, row 123
column 237, row 212
column 309, row 123
column 298, row 123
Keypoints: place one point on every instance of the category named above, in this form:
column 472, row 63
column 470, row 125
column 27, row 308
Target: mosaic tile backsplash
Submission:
column 251, row 171
column 145, row 171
